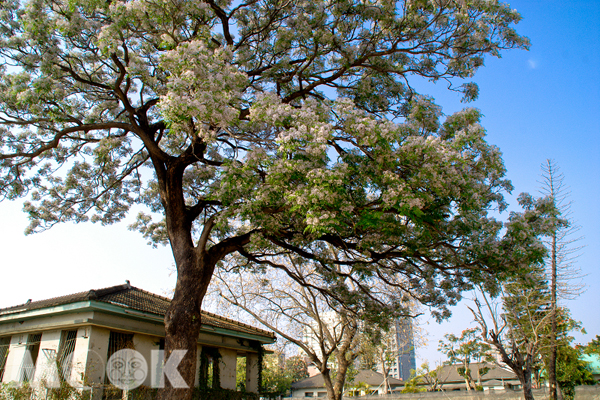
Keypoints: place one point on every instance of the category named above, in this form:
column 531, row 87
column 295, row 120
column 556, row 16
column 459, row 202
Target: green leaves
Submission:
column 289, row 120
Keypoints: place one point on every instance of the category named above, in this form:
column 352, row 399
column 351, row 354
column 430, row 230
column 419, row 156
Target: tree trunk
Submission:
column 332, row 394
column 553, row 349
column 526, row 381
column 385, row 369
column 183, row 322
column 194, row 272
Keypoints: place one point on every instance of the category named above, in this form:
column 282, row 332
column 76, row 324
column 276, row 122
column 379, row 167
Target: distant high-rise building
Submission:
column 400, row 347
column 400, row 350
column 406, row 349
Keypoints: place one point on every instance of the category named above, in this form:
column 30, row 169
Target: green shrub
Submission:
column 12, row 392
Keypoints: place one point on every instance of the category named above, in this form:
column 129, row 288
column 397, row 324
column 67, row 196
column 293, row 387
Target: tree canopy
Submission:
column 260, row 128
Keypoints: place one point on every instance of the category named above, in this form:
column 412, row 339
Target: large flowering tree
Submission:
column 257, row 129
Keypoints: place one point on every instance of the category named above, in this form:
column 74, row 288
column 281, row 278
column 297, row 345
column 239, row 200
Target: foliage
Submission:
column 520, row 330
column 380, row 346
column 67, row 392
column 571, row 371
column 412, row 386
column 296, row 368
column 221, row 116
column 536, row 325
column 9, row 391
column 357, row 388
column 517, row 332
column 276, row 379
column 258, row 129
column 432, row 377
column 593, row 347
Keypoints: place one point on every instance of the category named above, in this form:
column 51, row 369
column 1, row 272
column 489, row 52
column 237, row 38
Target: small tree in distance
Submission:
column 465, row 350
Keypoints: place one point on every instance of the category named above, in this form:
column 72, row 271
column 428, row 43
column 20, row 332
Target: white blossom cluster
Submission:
column 202, row 85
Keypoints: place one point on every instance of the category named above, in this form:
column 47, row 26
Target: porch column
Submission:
column 227, row 368
column 89, row 358
column 16, row 354
column 46, row 367
column 252, row 372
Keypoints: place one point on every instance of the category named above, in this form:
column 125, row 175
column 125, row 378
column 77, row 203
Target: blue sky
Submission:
column 538, row 104
column 545, row 104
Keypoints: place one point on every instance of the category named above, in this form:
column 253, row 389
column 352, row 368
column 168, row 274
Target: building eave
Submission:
column 120, row 310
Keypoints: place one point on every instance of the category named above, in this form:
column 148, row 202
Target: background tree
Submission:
column 387, row 349
column 277, row 376
column 332, row 337
column 413, row 384
column 519, row 331
column 433, row 378
column 465, row 351
column 593, row 347
column 221, row 119
column 296, row 368
column 571, row 371
column 381, row 347
column 565, row 276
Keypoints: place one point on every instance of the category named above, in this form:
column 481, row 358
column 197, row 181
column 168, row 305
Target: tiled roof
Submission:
column 449, row 373
column 369, row 377
column 131, row 297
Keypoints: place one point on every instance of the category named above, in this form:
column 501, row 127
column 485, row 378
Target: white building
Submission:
column 78, row 333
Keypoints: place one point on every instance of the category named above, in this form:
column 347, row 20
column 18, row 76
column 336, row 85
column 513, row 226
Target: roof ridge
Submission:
column 151, row 294
column 236, row 322
column 108, row 290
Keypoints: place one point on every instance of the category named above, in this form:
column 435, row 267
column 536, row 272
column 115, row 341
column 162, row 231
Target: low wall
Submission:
column 581, row 393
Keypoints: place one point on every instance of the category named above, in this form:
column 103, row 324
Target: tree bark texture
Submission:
column 194, row 271
column 183, row 322
column 332, row 394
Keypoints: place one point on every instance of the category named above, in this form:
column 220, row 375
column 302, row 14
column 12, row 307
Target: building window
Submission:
column 119, row 341
column 4, row 346
column 64, row 357
column 31, row 354
column 308, row 394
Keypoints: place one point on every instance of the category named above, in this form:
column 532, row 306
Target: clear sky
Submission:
column 538, row 104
